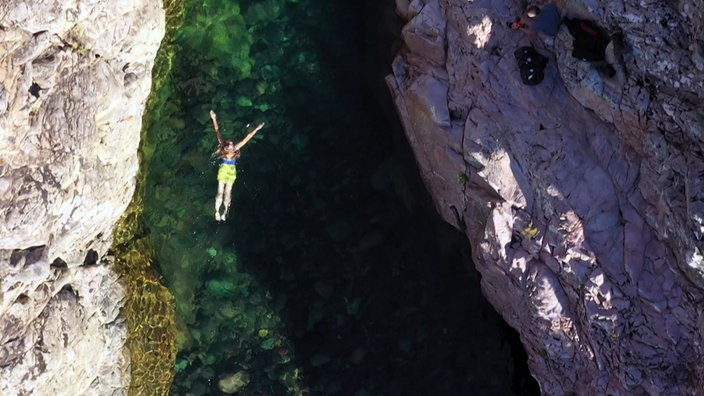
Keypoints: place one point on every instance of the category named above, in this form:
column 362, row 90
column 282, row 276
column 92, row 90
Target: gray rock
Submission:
column 69, row 132
column 607, row 171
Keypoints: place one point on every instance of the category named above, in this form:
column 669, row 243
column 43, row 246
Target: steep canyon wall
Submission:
column 74, row 79
column 583, row 196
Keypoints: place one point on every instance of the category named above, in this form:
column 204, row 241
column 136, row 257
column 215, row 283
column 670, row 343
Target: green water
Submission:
column 332, row 274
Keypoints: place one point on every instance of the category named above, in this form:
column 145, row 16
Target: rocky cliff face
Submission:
column 583, row 196
column 74, row 78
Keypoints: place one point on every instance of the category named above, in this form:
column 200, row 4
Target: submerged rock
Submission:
column 233, row 383
column 582, row 196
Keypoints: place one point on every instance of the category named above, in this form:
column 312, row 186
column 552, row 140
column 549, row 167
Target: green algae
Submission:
column 149, row 305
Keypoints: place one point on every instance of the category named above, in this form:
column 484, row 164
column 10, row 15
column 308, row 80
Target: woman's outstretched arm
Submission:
column 213, row 116
column 249, row 136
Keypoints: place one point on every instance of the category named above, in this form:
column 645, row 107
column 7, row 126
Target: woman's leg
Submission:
column 218, row 200
column 228, row 198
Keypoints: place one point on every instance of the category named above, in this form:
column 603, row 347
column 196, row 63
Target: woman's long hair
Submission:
column 221, row 152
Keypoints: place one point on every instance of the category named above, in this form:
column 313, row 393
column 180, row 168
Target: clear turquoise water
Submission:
column 332, row 274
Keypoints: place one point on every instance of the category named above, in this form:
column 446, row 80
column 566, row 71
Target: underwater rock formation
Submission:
column 74, row 79
column 583, row 196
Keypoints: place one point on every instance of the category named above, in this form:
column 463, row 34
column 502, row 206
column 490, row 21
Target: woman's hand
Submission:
column 215, row 125
column 256, row 129
column 249, row 136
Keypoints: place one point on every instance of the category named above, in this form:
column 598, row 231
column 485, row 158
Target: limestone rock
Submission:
column 582, row 197
column 74, row 78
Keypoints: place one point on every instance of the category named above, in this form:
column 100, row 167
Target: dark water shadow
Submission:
column 379, row 295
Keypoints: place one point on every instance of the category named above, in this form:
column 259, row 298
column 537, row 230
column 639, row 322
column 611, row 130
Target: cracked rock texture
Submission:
column 583, row 196
column 74, row 79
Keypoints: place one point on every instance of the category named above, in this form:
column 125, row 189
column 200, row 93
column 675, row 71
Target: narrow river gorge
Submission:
column 333, row 274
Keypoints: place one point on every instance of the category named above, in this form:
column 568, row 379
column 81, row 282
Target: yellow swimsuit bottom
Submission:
column 227, row 173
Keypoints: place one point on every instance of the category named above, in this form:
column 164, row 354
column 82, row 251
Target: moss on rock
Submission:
column 149, row 307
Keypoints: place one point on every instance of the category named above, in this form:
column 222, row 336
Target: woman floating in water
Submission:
column 229, row 152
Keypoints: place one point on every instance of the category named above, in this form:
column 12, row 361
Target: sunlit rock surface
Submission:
column 583, row 196
column 74, row 78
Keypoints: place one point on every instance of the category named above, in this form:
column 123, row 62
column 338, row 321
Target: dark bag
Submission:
column 590, row 40
column 531, row 64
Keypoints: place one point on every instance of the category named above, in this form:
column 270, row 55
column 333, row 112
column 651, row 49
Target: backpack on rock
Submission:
column 531, row 64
